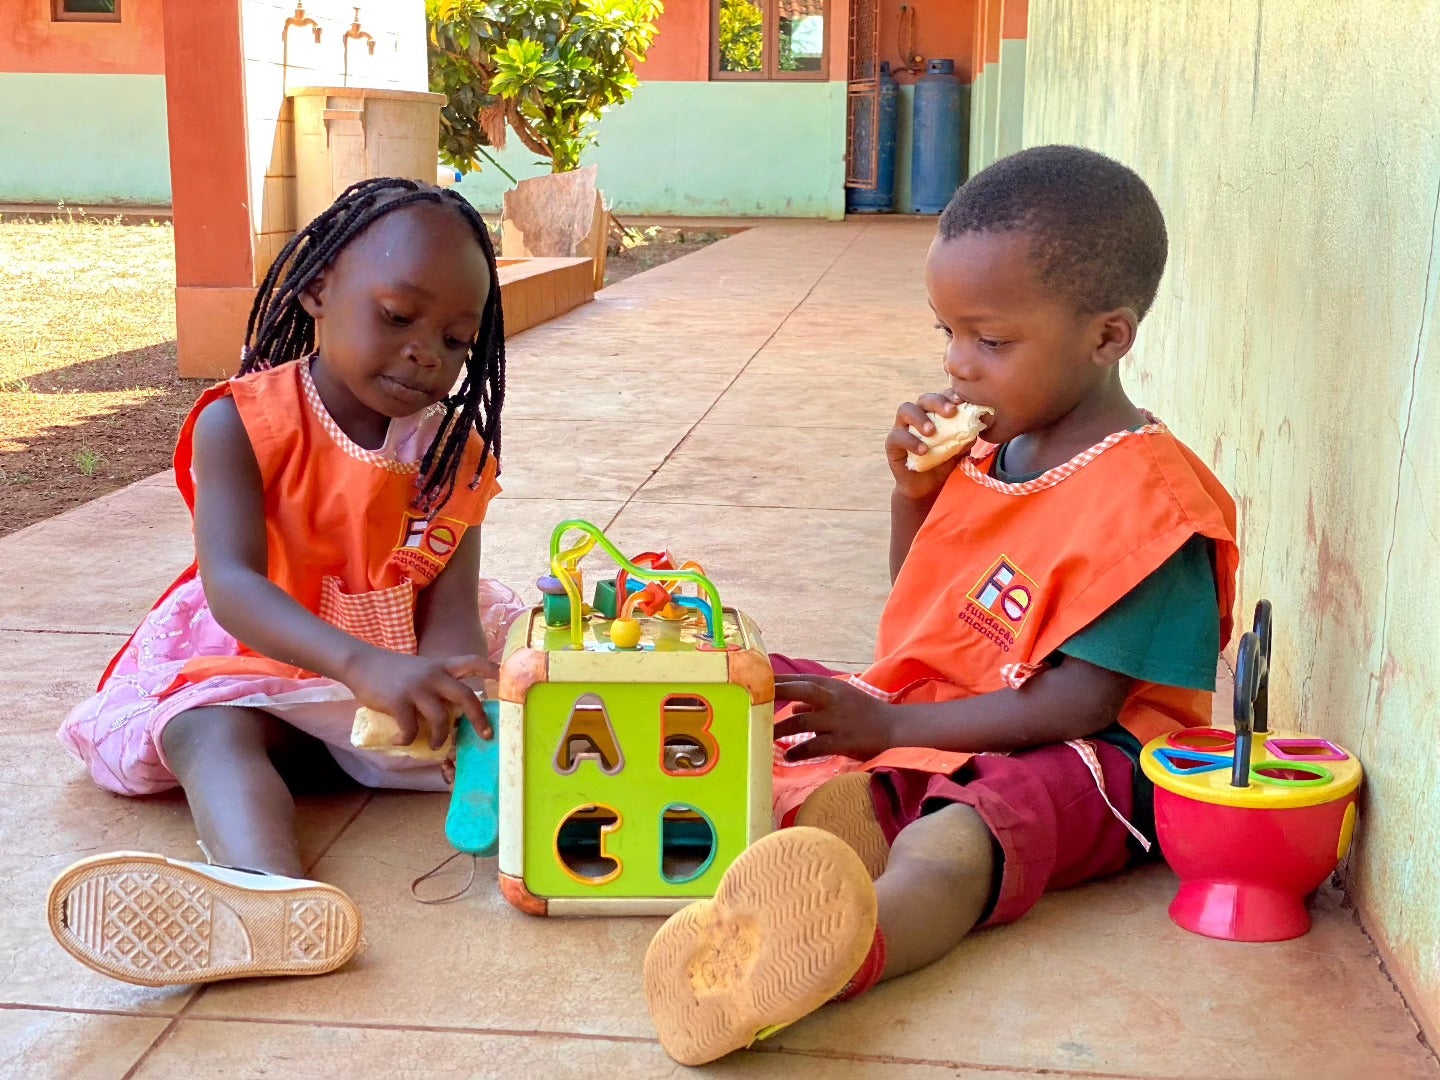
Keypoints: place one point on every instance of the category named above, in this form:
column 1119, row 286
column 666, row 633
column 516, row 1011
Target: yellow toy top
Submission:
column 655, row 635
column 658, row 635
column 1288, row 769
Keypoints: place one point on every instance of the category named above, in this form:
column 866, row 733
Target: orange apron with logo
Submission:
column 343, row 540
column 1001, row 575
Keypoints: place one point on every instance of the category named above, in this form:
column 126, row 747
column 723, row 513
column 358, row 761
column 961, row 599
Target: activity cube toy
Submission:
column 634, row 756
column 1251, row 820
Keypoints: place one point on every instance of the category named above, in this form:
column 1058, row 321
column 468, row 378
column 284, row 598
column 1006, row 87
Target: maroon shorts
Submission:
column 1042, row 806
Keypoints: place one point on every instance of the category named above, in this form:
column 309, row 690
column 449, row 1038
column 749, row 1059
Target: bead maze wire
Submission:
column 564, row 565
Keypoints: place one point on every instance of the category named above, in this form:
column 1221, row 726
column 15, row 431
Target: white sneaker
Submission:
column 155, row 921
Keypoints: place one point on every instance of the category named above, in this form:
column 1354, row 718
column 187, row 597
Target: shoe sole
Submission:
column 791, row 923
column 149, row 921
column 845, row 807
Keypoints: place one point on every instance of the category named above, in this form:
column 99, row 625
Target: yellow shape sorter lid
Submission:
column 1288, row 769
column 668, row 651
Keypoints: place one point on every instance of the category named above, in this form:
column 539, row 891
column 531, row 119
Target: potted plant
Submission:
column 546, row 70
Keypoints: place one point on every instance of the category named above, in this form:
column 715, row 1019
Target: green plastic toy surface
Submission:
column 560, row 790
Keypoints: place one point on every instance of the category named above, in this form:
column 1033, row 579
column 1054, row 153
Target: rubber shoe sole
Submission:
column 791, row 922
column 154, row 921
column 845, row 808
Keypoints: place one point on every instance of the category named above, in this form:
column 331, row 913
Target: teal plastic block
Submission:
column 473, row 823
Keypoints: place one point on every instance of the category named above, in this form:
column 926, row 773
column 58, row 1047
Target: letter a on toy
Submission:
column 589, row 736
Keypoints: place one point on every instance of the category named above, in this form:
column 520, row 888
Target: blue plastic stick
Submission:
column 473, row 823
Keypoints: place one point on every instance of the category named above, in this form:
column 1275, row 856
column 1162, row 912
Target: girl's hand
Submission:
column 919, row 486
column 845, row 719
column 419, row 690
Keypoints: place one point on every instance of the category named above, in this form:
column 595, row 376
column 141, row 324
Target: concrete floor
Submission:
column 731, row 406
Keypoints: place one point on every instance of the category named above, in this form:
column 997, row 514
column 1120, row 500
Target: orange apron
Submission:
column 342, row 537
column 1001, row 575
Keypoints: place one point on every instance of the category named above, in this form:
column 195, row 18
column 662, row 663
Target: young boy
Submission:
column 1061, row 594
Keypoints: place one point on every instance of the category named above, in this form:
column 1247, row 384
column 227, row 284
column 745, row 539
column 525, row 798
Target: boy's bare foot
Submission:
column 792, row 921
column 845, row 808
column 155, row 921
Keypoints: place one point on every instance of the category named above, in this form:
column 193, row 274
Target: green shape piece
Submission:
column 557, row 610
column 605, row 599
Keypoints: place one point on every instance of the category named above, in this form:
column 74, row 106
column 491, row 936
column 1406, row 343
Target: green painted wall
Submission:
column 904, row 148
column 1010, row 108
column 1295, row 151
column 709, row 149
column 977, row 147
column 997, row 107
column 87, row 139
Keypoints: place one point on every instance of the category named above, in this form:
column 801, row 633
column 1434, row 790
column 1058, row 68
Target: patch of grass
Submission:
column 89, row 461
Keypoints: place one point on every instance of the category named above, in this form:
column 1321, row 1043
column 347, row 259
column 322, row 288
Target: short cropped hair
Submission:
column 1097, row 234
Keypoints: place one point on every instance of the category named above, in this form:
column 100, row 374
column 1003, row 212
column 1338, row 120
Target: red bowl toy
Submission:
column 1251, row 821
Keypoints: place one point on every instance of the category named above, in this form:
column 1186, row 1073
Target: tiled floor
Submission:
column 730, row 405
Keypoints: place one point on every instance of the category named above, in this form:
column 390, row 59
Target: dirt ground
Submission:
column 633, row 251
column 89, row 398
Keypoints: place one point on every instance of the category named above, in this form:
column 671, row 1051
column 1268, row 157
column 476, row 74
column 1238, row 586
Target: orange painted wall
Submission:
column 943, row 28
column 1016, row 19
column 681, row 52
column 31, row 42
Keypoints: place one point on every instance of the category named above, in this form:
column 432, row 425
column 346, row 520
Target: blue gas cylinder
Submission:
column 937, row 162
column 881, row 198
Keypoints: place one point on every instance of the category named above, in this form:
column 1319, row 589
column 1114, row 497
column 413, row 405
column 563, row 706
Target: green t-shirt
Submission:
column 1166, row 630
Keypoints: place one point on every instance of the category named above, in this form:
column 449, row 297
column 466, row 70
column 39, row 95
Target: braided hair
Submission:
column 280, row 330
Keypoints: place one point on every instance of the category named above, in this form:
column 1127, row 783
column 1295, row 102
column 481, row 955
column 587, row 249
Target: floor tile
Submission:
column 783, row 402
column 98, row 567
column 856, row 342
column 45, row 674
column 475, row 962
column 35, row 1043
column 1099, row 981
column 198, row 1049
column 814, row 582
column 581, row 459
column 810, row 468
column 51, row 815
column 561, row 395
column 635, row 337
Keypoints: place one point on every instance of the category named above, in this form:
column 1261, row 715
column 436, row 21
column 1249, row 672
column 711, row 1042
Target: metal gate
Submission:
column 862, row 114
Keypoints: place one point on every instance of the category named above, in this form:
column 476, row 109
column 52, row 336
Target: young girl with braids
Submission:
column 337, row 486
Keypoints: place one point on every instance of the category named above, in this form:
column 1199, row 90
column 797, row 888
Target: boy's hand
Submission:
column 919, row 486
column 419, row 690
column 845, row 720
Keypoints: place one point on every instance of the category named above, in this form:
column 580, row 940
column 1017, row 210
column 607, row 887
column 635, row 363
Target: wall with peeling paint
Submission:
column 1295, row 151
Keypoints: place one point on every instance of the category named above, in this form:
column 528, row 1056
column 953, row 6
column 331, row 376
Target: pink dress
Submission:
column 116, row 733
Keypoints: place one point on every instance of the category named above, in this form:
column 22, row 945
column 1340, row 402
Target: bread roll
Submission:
column 376, row 731
column 953, row 435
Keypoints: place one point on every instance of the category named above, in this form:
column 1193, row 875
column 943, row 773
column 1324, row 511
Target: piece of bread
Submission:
column 376, row 731
column 953, row 435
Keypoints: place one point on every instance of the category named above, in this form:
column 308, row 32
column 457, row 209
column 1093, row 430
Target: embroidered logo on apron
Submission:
column 1000, row 603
